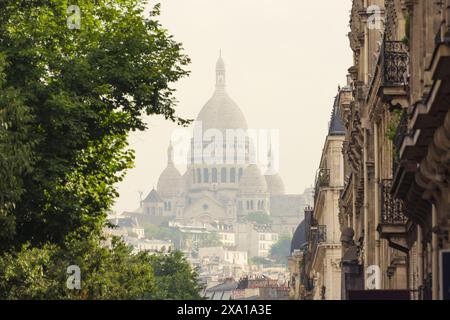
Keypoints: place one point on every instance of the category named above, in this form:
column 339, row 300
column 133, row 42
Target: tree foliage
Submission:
column 68, row 100
column 106, row 273
column 281, row 249
column 261, row 218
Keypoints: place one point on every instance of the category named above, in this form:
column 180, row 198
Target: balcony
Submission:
column 393, row 219
column 318, row 235
column 322, row 180
column 394, row 62
column 391, row 76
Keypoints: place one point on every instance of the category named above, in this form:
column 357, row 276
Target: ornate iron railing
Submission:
column 392, row 211
column 322, row 180
column 395, row 60
column 318, row 235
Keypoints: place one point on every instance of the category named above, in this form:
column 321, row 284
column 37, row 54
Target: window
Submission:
column 261, row 237
column 248, row 205
column 241, row 172
column 233, row 175
column 251, row 204
column 223, row 174
column 214, row 175
column 205, row 175
column 199, row 176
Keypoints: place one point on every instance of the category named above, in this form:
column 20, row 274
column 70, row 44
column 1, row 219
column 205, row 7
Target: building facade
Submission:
column 395, row 206
column 315, row 266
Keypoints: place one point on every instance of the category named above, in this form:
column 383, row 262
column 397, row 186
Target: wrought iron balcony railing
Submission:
column 395, row 61
column 392, row 211
column 322, row 180
column 318, row 235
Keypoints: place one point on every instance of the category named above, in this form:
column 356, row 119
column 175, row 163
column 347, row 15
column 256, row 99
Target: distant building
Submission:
column 211, row 191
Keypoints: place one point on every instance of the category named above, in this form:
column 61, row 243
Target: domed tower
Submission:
column 253, row 193
column 170, row 185
column 220, row 146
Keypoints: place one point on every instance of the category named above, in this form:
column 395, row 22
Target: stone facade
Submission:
column 395, row 204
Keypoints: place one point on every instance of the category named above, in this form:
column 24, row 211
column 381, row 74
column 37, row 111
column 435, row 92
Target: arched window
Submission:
column 232, row 175
column 241, row 172
column 214, row 175
column 223, row 175
column 205, row 175
column 199, row 176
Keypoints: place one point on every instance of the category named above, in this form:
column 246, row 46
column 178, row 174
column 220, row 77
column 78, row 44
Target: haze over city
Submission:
column 261, row 44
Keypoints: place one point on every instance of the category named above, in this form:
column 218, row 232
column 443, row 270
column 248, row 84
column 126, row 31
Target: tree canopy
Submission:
column 281, row 249
column 69, row 97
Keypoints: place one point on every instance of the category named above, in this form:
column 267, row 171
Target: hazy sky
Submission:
column 284, row 60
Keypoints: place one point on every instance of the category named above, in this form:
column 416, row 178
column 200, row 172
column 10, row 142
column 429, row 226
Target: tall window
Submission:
column 199, row 176
column 223, row 175
column 205, row 175
column 232, row 175
column 241, row 172
column 214, row 175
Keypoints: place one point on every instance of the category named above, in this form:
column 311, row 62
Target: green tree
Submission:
column 68, row 99
column 164, row 232
column 209, row 240
column 281, row 249
column 106, row 273
column 259, row 218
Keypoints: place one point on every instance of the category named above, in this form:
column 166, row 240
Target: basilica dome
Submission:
column 252, row 181
column 275, row 185
column 221, row 112
column 170, row 183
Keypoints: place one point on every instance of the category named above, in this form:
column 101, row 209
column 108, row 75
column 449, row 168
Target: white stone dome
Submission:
column 275, row 185
column 221, row 112
column 252, row 181
column 170, row 183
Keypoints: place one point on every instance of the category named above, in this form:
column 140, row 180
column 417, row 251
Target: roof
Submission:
column 287, row 205
column 125, row 222
column 226, row 286
column 153, row 197
column 275, row 184
column 336, row 127
column 299, row 238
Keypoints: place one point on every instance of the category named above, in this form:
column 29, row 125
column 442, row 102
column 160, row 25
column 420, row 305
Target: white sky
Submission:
column 284, row 61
